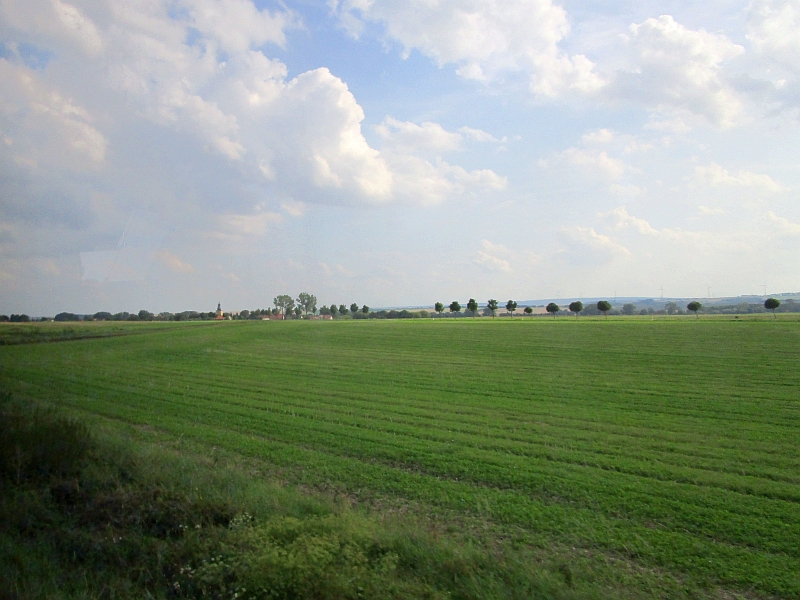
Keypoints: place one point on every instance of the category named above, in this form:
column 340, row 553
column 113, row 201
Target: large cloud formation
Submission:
column 484, row 39
column 197, row 70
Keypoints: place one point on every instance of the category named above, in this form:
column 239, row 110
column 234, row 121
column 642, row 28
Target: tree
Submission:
column 145, row 315
column 492, row 306
column 439, row 308
column 365, row 309
column 671, row 308
column 576, row 307
column 472, row 306
column 772, row 304
column 528, row 311
column 552, row 308
column 455, row 307
column 694, row 307
column 511, row 306
column 354, row 308
column 284, row 303
column 604, row 306
column 628, row 309
column 297, row 312
column 342, row 309
column 307, row 302
column 65, row 316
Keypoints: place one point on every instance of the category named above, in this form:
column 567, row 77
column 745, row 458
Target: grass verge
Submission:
column 97, row 514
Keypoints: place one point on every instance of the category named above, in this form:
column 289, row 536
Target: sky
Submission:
column 168, row 155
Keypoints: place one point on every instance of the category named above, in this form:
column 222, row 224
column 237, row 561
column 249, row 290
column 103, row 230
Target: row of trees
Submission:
column 307, row 303
column 511, row 306
column 14, row 318
column 602, row 307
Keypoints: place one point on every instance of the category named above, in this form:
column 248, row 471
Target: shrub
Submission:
column 38, row 443
column 315, row 558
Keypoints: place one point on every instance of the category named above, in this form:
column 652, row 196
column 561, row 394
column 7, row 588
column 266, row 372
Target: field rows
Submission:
column 673, row 443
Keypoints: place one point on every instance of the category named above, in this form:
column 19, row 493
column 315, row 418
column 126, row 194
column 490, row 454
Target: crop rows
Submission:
column 673, row 443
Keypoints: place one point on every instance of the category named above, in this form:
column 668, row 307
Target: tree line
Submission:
column 306, row 304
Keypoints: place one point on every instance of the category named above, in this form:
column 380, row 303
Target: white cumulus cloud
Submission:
column 680, row 69
column 483, row 39
column 715, row 175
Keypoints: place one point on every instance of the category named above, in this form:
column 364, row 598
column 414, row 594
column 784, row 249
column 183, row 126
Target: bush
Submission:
column 315, row 558
column 38, row 443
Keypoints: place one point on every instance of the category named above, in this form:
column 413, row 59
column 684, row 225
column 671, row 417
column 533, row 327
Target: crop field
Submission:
column 673, row 444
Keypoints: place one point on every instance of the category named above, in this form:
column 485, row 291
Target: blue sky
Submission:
column 170, row 155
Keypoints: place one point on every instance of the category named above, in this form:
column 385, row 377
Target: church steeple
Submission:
column 219, row 310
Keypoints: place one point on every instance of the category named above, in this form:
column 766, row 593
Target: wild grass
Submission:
column 117, row 517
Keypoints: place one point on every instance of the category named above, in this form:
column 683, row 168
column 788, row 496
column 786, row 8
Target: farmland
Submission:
column 669, row 444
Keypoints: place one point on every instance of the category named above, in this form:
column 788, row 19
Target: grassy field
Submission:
column 666, row 447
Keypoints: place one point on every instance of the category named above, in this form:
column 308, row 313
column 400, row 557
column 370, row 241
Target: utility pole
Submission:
column 662, row 292
column 765, row 288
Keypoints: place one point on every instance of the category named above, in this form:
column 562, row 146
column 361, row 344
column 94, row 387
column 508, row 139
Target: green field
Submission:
column 668, row 445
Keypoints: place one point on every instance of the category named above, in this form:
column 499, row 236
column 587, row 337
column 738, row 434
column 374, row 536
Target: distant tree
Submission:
column 528, row 311
column 297, row 312
column 439, row 308
column 492, row 305
column 307, row 302
column 472, row 306
column 354, row 308
column 245, row 314
column 145, row 315
column 102, row 316
column 604, row 306
column 65, row 316
column 694, row 307
column 455, row 307
column 23, row 318
column 284, row 303
column 672, row 308
column 334, row 309
column 628, row 309
column 772, row 304
column 576, row 307
column 342, row 309
column 365, row 309
column 324, row 310
column 552, row 308
column 511, row 306
column 3, row 318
